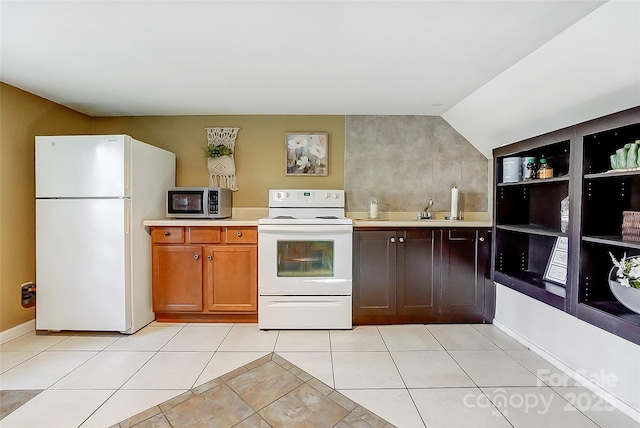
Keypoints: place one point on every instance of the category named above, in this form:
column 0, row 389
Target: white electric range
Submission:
column 304, row 261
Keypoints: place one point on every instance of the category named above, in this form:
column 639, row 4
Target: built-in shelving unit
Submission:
column 527, row 220
column 604, row 196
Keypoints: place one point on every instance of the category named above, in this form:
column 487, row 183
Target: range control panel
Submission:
column 300, row 198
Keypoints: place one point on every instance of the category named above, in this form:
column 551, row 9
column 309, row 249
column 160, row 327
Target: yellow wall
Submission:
column 259, row 150
column 259, row 154
column 22, row 117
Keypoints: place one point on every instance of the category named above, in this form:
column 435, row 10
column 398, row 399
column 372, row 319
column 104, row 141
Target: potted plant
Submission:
column 219, row 153
column 215, row 151
column 624, row 281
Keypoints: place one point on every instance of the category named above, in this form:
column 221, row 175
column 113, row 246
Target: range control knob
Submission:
column 327, row 195
column 281, row 195
column 335, row 196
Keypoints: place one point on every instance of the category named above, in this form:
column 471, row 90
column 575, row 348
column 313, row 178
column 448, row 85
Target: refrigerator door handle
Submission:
column 127, row 217
column 126, row 175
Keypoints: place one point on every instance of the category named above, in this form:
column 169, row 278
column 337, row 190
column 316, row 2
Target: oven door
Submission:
column 304, row 260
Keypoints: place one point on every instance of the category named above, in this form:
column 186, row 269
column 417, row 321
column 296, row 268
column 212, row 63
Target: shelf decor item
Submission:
column 625, row 158
column 624, row 281
column 511, row 169
column 557, row 265
column 306, row 153
column 220, row 162
column 631, row 226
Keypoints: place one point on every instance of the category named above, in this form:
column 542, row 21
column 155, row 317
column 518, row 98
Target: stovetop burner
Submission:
column 306, row 207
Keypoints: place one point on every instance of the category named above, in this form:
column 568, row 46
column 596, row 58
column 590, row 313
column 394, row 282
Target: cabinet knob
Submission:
column 400, row 240
column 209, row 257
column 166, row 233
column 196, row 257
column 481, row 239
column 239, row 233
column 393, row 240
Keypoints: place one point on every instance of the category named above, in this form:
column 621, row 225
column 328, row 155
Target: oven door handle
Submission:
column 306, row 228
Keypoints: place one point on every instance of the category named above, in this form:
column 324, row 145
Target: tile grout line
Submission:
column 212, row 355
column 132, row 375
column 472, row 380
column 406, row 388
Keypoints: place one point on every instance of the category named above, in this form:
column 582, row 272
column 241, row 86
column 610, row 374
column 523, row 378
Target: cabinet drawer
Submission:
column 204, row 235
column 242, row 235
column 167, row 235
column 461, row 234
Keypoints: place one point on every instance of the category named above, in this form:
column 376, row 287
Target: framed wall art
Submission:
column 307, row 153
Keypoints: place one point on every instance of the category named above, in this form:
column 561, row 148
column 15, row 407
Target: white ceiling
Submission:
column 108, row 58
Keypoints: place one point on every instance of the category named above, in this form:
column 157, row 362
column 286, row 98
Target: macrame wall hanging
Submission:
column 220, row 150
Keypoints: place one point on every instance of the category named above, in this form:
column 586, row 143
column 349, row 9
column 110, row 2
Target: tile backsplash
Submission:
column 406, row 160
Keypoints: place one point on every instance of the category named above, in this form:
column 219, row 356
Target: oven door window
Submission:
column 305, row 258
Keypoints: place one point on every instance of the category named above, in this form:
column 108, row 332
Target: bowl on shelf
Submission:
column 628, row 296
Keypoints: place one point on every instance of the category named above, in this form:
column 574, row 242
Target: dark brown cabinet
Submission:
column 527, row 220
column 605, row 196
column 417, row 274
column 399, row 276
column 374, row 275
column 463, row 273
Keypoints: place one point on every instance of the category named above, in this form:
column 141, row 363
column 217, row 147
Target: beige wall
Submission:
column 259, row 150
column 22, row 117
column 260, row 162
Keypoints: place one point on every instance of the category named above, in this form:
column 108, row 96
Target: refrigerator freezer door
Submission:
column 83, row 264
column 81, row 166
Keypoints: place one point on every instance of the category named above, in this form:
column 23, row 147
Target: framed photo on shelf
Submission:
column 307, row 153
column 556, row 270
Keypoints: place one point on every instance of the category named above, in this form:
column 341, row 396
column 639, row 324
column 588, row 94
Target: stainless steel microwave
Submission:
column 198, row 202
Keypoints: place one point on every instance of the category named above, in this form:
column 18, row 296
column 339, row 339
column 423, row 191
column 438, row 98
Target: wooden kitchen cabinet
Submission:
column 393, row 274
column 177, row 278
column 205, row 274
column 374, row 276
column 464, row 269
column 232, row 278
column 421, row 275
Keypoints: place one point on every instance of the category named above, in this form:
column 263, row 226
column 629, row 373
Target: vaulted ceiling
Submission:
column 130, row 58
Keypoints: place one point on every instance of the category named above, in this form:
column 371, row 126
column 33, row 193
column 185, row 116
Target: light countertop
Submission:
column 410, row 219
column 162, row 222
column 250, row 216
column 239, row 217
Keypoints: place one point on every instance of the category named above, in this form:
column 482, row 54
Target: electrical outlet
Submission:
column 28, row 294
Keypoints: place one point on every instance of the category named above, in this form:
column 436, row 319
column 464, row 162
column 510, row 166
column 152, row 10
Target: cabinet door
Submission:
column 417, row 284
column 463, row 266
column 374, row 275
column 177, row 278
column 231, row 282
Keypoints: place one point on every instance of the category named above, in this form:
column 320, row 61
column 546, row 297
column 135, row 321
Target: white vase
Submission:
column 628, row 296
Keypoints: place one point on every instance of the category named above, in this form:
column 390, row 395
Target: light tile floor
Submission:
column 412, row 376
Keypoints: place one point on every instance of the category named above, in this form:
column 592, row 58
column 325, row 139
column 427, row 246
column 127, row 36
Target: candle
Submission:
column 454, row 202
column 373, row 208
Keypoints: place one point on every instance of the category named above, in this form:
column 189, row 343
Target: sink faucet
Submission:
column 426, row 214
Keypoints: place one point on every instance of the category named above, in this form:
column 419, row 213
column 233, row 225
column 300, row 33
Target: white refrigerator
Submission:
column 93, row 255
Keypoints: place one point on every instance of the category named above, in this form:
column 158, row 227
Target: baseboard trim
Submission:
column 603, row 394
column 17, row 331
